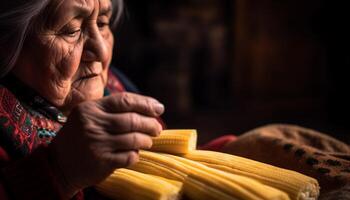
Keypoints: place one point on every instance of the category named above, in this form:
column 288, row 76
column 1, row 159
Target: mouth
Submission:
column 89, row 71
column 89, row 76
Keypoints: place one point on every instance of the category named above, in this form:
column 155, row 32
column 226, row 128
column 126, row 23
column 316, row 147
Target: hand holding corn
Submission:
column 102, row 135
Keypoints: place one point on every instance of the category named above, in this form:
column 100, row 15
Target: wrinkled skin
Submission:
column 71, row 54
column 103, row 135
column 67, row 63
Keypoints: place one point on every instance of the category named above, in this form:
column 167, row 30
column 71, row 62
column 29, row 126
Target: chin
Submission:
column 92, row 88
column 85, row 90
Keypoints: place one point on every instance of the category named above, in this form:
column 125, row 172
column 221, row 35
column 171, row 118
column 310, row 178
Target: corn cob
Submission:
column 175, row 141
column 131, row 185
column 202, row 182
column 296, row 185
column 160, row 165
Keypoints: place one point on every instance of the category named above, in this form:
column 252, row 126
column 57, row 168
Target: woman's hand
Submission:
column 102, row 135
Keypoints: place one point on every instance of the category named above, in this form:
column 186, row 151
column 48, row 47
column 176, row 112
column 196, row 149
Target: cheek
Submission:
column 109, row 39
column 63, row 59
column 69, row 58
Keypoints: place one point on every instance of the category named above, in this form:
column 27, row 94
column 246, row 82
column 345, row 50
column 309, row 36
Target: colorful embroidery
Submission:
column 27, row 120
column 113, row 84
column 21, row 131
column 15, row 125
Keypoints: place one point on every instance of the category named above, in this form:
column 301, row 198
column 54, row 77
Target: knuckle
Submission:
column 136, row 141
column 151, row 107
column 156, row 126
column 84, row 109
column 80, row 116
column 134, row 121
column 126, row 99
column 132, row 158
column 155, row 123
column 149, row 103
column 87, row 105
column 139, row 141
column 88, row 127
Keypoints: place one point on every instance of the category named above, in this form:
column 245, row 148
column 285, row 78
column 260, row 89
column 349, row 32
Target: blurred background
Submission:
column 228, row 66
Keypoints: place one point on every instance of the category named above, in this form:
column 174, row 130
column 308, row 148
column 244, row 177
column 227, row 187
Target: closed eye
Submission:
column 74, row 33
column 102, row 24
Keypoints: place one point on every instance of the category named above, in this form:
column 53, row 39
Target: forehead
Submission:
column 79, row 7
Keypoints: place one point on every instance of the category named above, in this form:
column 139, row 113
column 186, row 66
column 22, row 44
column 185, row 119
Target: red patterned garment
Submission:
column 28, row 123
column 22, row 130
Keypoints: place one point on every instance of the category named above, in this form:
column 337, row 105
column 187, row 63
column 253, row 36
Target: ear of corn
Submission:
column 244, row 187
column 160, row 165
column 131, row 185
column 203, row 175
column 169, row 171
column 298, row 186
column 175, row 141
column 201, row 181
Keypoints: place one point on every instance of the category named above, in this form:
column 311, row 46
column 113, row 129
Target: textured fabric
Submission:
column 300, row 149
column 342, row 193
column 28, row 123
column 114, row 84
column 17, row 174
column 124, row 80
column 22, row 129
column 218, row 143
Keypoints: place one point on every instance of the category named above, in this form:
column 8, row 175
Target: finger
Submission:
column 129, row 102
column 130, row 141
column 132, row 122
column 122, row 159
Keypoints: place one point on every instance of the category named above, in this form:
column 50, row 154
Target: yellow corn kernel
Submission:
column 247, row 188
column 296, row 185
column 131, row 185
column 202, row 182
column 175, row 141
column 157, row 164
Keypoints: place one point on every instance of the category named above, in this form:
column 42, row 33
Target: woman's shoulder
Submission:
column 12, row 122
column 9, row 104
column 19, row 128
column 119, row 82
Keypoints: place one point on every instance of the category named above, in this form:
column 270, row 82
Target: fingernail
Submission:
column 158, row 108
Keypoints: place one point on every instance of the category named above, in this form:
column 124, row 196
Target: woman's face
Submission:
column 67, row 61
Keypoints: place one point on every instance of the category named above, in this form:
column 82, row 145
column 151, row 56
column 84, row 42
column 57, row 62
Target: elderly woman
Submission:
column 66, row 120
column 55, row 57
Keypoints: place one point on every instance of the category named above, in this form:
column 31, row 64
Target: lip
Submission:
column 89, row 71
column 89, row 76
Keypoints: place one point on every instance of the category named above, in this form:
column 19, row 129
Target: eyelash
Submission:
column 72, row 33
column 102, row 24
column 77, row 32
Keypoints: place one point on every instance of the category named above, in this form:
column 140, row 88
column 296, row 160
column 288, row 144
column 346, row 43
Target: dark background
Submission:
column 227, row 66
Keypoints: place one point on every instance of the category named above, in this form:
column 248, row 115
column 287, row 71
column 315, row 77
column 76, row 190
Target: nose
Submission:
column 95, row 47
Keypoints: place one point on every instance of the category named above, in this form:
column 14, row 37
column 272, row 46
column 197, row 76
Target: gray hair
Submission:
column 17, row 18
